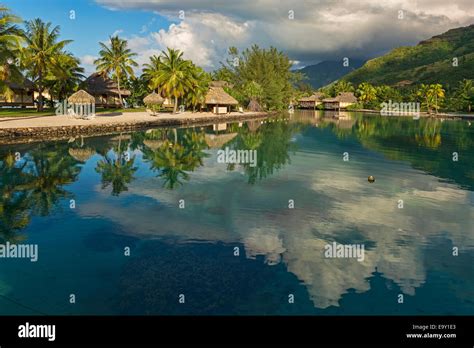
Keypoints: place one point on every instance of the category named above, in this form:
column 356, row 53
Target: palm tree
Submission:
column 42, row 52
column 200, row 86
column 174, row 77
column 423, row 92
column 10, row 39
column 343, row 86
column 65, row 77
column 367, row 93
column 466, row 91
column 152, row 68
column 437, row 95
column 116, row 59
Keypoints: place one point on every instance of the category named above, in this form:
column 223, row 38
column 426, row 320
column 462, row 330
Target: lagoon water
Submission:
column 224, row 235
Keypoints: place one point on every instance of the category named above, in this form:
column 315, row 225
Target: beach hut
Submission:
column 83, row 104
column 342, row 101
column 22, row 94
column 104, row 90
column 153, row 102
column 311, row 102
column 219, row 100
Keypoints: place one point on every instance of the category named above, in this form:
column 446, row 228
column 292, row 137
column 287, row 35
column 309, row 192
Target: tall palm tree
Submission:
column 200, row 80
column 41, row 53
column 152, row 68
column 466, row 91
column 10, row 39
column 175, row 75
column 66, row 76
column 367, row 93
column 437, row 95
column 343, row 86
column 116, row 59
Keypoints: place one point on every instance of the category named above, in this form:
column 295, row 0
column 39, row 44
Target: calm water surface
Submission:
column 133, row 201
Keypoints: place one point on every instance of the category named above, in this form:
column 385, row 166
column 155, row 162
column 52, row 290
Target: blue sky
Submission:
column 92, row 23
column 317, row 30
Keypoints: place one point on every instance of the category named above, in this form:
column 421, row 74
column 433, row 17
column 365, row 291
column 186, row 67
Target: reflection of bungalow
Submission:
column 22, row 94
column 219, row 100
column 311, row 102
column 217, row 141
column 342, row 101
column 104, row 90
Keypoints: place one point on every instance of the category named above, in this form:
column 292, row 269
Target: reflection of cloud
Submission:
column 333, row 201
column 259, row 243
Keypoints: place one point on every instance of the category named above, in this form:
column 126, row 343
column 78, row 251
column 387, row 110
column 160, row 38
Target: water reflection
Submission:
column 299, row 159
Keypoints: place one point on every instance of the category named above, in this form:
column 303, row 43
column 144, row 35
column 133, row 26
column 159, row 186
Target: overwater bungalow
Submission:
column 311, row 102
column 218, row 100
column 342, row 101
column 23, row 94
column 104, row 90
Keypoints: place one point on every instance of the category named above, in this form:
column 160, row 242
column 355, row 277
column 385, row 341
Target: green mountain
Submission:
column 325, row 72
column 431, row 61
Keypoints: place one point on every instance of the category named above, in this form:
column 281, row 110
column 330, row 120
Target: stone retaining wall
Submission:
column 36, row 134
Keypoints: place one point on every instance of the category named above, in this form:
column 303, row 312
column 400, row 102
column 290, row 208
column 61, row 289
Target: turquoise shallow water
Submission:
column 236, row 247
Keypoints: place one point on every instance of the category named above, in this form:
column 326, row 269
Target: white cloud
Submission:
column 321, row 29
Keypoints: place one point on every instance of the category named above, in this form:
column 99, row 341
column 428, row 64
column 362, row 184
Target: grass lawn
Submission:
column 17, row 112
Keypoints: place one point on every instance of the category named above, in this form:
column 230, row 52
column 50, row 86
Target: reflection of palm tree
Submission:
column 51, row 170
column 14, row 214
column 117, row 170
column 272, row 141
column 175, row 160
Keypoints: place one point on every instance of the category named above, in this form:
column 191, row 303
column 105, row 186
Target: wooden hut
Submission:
column 104, row 90
column 22, row 94
column 342, row 101
column 219, row 100
column 311, row 102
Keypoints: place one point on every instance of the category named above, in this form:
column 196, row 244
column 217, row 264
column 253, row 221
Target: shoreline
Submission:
column 29, row 130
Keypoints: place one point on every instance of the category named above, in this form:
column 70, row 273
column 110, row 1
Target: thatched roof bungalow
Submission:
column 342, row 101
column 104, row 90
column 312, row 101
column 219, row 100
column 23, row 94
column 81, row 97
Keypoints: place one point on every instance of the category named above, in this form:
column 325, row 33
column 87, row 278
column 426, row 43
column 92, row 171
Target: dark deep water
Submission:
column 133, row 201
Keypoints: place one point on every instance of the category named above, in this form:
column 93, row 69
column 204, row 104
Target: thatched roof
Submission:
column 347, row 97
column 81, row 155
column 254, row 106
column 217, row 95
column 26, row 84
column 153, row 99
column 313, row 98
column 344, row 97
column 81, row 97
column 218, row 141
column 101, row 84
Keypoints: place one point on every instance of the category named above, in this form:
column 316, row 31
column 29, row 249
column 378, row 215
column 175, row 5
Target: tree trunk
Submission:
column 40, row 91
column 175, row 109
column 119, row 92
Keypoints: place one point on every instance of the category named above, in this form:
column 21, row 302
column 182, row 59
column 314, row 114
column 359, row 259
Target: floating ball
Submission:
column 371, row 179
